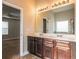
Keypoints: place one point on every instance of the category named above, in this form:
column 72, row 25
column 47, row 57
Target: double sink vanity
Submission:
column 53, row 46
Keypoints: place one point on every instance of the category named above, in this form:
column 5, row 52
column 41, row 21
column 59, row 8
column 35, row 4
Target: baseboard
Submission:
column 25, row 53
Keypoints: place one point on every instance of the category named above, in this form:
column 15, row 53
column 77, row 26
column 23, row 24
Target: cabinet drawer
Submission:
column 48, row 41
column 63, row 43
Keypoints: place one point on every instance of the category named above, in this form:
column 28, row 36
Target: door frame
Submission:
column 21, row 23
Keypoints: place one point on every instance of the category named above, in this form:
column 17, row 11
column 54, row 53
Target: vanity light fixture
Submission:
column 43, row 9
column 63, row 2
column 60, row 3
column 67, row 0
column 54, row 5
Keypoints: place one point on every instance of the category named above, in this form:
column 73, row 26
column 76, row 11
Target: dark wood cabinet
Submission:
column 35, row 46
column 39, row 46
column 31, row 47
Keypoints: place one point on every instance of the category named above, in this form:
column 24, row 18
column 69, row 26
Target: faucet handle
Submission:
column 59, row 35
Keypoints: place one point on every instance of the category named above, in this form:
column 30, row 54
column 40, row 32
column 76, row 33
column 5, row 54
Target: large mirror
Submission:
column 58, row 20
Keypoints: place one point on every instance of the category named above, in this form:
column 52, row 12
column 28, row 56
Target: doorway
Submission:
column 11, row 25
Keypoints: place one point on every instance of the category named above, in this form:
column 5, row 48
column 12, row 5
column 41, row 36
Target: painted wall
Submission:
column 42, row 3
column 28, row 17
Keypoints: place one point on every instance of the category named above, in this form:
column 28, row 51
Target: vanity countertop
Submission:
column 64, row 37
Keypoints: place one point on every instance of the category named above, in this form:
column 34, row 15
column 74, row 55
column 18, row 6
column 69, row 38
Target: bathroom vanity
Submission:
column 47, row 47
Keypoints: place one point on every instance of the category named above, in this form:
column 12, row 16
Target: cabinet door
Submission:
column 39, row 46
column 62, row 50
column 31, row 44
column 48, row 49
column 48, row 52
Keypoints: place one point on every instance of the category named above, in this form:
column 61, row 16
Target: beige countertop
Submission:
column 64, row 37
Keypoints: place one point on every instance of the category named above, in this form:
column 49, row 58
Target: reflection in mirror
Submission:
column 44, row 25
column 64, row 21
column 62, row 26
column 59, row 20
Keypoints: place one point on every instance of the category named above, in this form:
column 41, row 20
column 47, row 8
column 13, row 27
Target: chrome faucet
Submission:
column 59, row 35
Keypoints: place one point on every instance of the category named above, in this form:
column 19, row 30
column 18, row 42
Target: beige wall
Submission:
column 42, row 3
column 28, row 16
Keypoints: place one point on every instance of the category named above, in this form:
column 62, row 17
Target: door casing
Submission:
column 21, row 23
